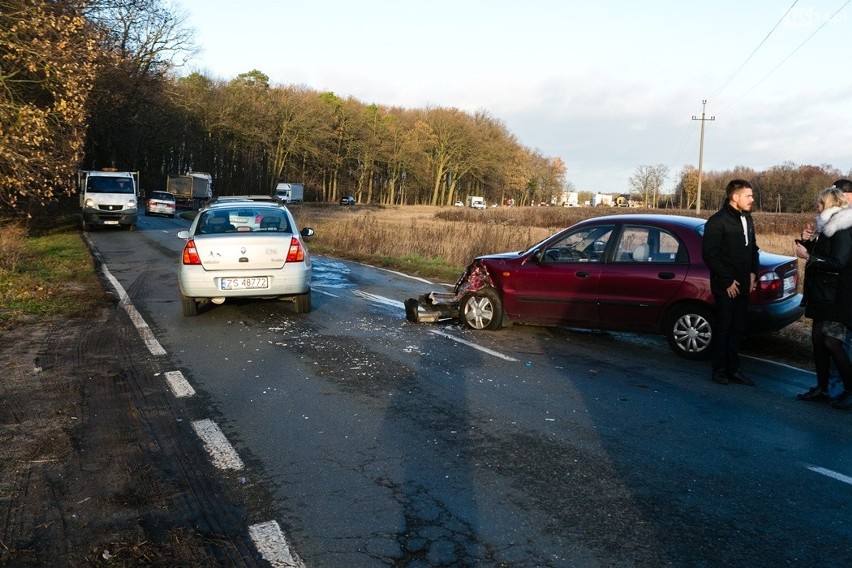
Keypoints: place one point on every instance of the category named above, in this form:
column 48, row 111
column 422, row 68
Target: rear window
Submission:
column 162, row 196
column 243, row 220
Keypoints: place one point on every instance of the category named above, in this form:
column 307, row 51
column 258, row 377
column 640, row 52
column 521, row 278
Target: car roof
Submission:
column 681, row 220
column 256, row 200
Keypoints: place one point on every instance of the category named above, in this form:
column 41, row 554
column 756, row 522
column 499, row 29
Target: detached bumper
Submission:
column 431, row 308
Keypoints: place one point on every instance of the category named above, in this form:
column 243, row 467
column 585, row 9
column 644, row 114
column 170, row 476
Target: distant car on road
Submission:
column 458, row 204
column 244, row 248
column 160, row 203
column 640, row 273
column 347, row 200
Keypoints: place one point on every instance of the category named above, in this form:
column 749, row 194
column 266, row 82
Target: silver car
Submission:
column 244, row 248
column 160, row 203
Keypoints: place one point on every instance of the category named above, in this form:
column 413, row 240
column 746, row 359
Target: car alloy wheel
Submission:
column 482, row 309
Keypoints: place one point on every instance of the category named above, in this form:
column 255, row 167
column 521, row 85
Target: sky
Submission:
column 607, row 85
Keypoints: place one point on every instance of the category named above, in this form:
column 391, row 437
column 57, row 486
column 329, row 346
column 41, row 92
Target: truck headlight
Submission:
column 90, row 203
column 131, row 204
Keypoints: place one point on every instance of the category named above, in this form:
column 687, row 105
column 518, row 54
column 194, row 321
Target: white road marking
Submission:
column 474, row 345
column 315, row 289
column 145, row 333
column 832, row 474
column 273, row 545
column 380, row 299
column 178, row 384
column 221, row 452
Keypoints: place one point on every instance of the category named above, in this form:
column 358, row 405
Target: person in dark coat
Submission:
column 828, row 252
column 731, row 253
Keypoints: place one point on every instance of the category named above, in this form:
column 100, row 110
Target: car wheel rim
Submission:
column 479, row 312
column 692, row 333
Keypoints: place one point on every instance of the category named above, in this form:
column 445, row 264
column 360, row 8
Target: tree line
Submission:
column 94, row 84
column 88, row 84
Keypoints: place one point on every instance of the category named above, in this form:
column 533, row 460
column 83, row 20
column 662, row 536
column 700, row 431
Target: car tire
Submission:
column 690, row 330
column 482, row 309
column 188, row 306
column 302, row 303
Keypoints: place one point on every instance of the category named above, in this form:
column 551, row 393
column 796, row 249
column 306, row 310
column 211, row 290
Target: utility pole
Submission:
column 701, row 152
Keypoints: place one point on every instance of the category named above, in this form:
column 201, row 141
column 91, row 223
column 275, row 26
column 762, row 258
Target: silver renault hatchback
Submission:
column 244, row 247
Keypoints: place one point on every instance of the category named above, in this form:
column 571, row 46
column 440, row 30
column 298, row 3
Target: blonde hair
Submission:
column 832, row 197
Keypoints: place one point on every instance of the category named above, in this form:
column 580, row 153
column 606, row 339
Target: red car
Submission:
column 638, row 273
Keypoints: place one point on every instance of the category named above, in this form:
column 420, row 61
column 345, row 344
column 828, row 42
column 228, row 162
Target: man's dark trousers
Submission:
column 731, row 315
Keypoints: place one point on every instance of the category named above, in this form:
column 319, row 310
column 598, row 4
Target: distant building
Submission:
column 570, row 199
column 602, row 200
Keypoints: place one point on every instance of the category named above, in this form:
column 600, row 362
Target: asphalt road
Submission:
column 387, row 443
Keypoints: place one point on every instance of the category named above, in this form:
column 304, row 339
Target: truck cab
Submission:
column 108, row 197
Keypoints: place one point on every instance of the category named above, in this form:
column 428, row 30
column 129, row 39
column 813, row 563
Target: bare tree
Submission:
column 647, row 181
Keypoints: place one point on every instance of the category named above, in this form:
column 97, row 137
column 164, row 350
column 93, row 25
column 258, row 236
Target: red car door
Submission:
column 647, row 269
column 559, row 285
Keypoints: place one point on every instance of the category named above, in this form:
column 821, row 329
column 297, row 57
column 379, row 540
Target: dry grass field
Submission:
column 442, row 239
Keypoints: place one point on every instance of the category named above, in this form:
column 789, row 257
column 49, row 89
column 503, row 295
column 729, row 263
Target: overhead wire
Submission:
column 792, row 53
column 751, row 55
column 747, row 59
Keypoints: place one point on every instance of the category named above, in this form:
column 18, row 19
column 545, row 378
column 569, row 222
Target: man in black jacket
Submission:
column 731, row 254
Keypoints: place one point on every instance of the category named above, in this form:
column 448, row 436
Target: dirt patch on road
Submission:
column 99, row 464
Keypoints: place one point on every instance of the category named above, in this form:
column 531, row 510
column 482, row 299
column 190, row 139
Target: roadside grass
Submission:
column 46, row 274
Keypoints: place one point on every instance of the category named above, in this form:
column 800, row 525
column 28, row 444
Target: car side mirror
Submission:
column 307, row 232
column 183, row 234
column 535, row 256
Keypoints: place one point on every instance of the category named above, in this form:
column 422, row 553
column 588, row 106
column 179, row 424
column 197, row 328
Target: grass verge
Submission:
column 50, row 274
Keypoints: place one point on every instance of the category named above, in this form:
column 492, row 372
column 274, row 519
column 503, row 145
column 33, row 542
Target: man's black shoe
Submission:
column 814, row 394
column 719, row 377
column 739, row 378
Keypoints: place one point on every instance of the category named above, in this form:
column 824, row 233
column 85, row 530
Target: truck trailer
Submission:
column 190, row 190
column 108, row 197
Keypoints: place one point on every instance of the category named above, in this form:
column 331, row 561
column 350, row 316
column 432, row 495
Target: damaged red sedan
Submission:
column 638, row 273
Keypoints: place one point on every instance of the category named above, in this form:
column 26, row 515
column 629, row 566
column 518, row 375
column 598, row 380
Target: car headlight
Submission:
column 90, row 203
column 131, row 204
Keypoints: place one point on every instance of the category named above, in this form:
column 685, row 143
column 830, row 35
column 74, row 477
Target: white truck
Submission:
column 192, row 189
column 289, row 192
column 108, row 197
column 476, row 202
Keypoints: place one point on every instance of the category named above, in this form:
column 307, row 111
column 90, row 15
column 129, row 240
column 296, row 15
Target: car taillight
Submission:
column 296, row 253
column 769, row 287
column 190, row 253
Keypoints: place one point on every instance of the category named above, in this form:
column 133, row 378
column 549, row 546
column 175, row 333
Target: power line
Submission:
column 792, row 53
column 747, row 59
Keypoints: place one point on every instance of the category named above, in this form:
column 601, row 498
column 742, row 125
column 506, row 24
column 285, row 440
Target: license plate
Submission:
column 244, row 283
column 789, row 285
column 110, row 222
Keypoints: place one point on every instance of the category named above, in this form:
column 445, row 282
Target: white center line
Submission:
column 832, row 474
column 474, row 345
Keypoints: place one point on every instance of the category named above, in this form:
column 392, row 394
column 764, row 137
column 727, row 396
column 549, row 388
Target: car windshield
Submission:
column 98, row 184
column 243, row 219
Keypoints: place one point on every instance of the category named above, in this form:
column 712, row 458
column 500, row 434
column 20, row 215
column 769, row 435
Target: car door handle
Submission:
column 582, row 274
column 666, row 275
